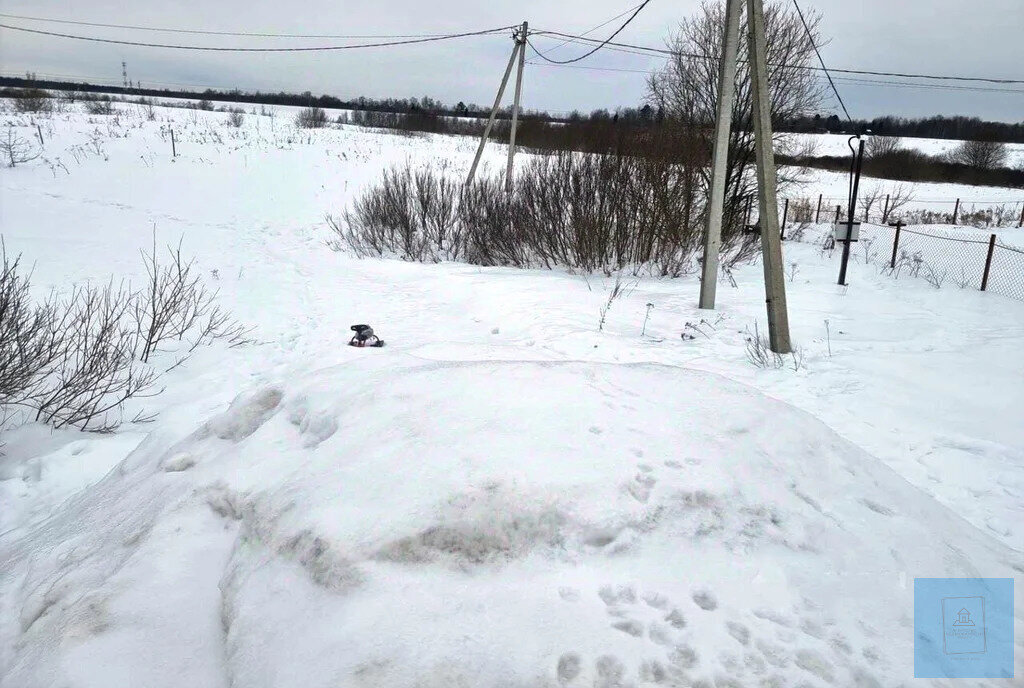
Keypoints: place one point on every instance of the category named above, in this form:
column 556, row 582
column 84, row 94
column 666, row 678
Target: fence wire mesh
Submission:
column 947, row 258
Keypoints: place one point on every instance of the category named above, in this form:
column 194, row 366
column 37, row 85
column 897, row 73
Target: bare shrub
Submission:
column 98, row 105
column 204, row 105
column 311, row 118
column 175, row 303
column 596, row 212
column 983, row 155
column 32, row 100
column 236, row 117
column 31, row 337
column 876, row 146
column 16, row 149
column 76, row 360
column 97, row 372
column 759, row 351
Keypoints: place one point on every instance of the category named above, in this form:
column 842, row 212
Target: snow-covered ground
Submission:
column 505, row 495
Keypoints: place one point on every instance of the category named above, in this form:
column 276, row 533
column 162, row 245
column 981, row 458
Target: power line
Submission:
column 134, row 27
column 831, row 83
column 599, row 26
column 648, row 50
column 600, row 45
column 850, row 80
column 261, row 50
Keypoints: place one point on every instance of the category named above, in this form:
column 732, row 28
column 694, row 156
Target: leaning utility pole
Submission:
column 521, row 43
column 720, row 154
column 518, row 49
column 771, row 246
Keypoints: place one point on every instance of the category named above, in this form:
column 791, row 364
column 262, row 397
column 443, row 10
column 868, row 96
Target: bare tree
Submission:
column 686, row 89
column 983, row 155
column 16, row 149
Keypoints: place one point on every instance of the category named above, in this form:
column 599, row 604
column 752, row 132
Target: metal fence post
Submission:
column 885, row 210
column 988, row 261
column 895, row 244
column 750, row 203
column 836, row 221
column 785, row 213
column 1020, row 222
column 174, row 149
column 817, row 214
column 956, row 210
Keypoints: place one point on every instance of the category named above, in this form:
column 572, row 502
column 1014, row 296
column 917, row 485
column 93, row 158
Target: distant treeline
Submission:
column 940, row 127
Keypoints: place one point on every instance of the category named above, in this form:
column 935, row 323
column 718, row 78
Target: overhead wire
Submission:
column 585, row 55
column 817, row 52
column 205, row 32
column 290, row 49
column 648, row 50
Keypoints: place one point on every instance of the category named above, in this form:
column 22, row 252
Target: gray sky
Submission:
column 961, row 37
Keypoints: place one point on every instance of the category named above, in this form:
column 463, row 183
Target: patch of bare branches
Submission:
column 15, row 149
column 78, row 359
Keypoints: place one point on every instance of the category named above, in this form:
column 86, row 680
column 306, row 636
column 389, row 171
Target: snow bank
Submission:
column 392, row 522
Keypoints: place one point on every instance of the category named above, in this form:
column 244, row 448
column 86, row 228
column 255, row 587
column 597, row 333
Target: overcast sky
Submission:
column 960, row 37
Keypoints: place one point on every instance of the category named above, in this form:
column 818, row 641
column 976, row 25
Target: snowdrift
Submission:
column 393, row 522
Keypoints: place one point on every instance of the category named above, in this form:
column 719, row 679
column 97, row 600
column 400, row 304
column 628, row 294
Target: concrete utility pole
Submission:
column 720, row 154
column 521, row 42
column 494, row 109
column 771, row 246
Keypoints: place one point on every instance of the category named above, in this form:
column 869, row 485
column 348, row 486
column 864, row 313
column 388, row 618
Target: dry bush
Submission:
column 98, row 105
column 985, row 155
column 236, row 117
column 97, row 371
column 595, row 212
column 311, row 118
column 875, row 146
column 175, row 303
column 15, row 149
column 75, row 361
column 32, row 100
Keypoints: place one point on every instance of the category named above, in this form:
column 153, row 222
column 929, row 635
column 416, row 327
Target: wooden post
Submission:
column 956, row 210
column 838, row 209
column 174, row 149
column 767, row 183
column 746, row 218
column 885, row 210
column 895, row 244
column 988, row 261
column 817, row 213
column 1020, row 222
column 521, row 42
column 39, row 129
column 785, row 214
column 494, row 113
column 720, row 153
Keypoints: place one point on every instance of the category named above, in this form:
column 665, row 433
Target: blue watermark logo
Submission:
column 963, row 628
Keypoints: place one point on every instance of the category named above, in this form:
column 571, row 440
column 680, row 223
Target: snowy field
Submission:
column 507, row 494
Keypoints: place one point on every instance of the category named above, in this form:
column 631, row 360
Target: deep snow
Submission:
column 505, row 495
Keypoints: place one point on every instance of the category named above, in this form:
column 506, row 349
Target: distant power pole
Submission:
column 124, row 73
column 518, row 50
column 771, row 246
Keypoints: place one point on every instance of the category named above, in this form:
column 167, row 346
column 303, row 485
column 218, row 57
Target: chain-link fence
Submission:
column 900, row 204
column 947, row 257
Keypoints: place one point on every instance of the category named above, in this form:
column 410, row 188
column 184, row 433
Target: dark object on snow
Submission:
column 364, row 336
